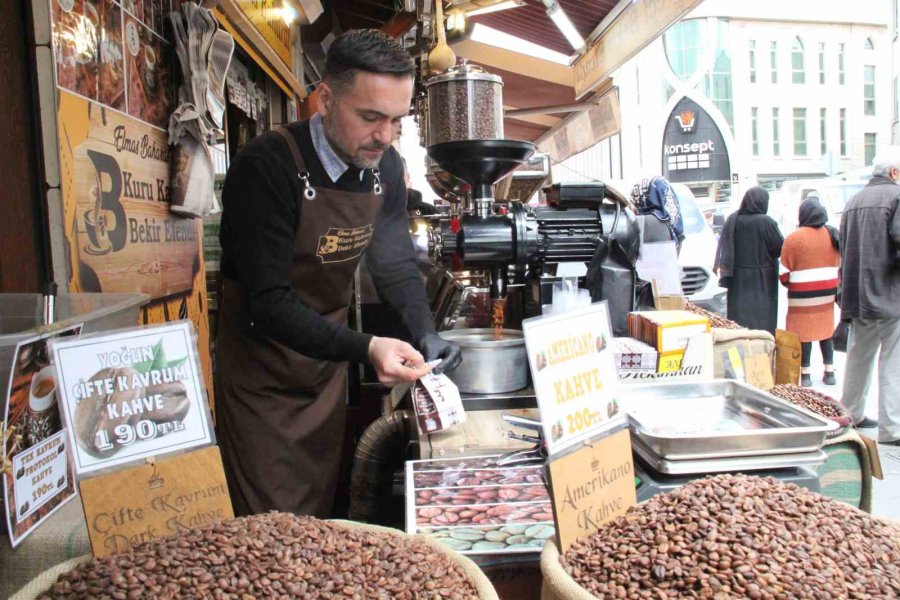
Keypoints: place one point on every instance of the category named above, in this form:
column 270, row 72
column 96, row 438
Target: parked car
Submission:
column 698, row 251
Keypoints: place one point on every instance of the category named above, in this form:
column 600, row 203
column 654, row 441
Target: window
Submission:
column 823, row 130
column 841, row 64
column 798, row 74
column 754, row 128
column 776, row 140
column 821, row 63
column 870, row 148
column 752, row 61
column 869, row 90
column 843, row 131
column 896, row 17
column 773, row 61
column 799, row 132
column 684, row 44
column 896, row 99
column 868, row 45
column 717, row 83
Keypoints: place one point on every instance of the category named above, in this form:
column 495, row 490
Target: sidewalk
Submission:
column 886, row 492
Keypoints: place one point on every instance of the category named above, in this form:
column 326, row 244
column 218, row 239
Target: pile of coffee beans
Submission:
column 734, row 536
column 810, row 400
column 715, row 320
column 275, row 555
column 454, row 115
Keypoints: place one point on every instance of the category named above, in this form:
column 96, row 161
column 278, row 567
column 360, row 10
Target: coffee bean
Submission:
column 810, row 400
column 715, row 320
column 271, row 555
column 735, row 536
column 464, row 109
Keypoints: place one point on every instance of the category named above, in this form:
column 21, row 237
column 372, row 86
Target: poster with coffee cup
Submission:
column 76, row 29
column 150, row 87
column 38, row 476
column 131, row 394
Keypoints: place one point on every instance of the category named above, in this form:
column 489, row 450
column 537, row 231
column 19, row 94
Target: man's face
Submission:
column 360, row 120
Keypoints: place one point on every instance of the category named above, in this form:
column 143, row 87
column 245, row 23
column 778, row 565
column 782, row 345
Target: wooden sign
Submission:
column 591, row 486
column 637, row 26
column 149, row 501
column 116, row 185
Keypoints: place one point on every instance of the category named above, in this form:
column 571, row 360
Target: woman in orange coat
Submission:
column 810, row 260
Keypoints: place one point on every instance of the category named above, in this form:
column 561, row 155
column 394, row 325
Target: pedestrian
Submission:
column 810, row 259
column 870, row 296
column 747, row 263
column 302, row 204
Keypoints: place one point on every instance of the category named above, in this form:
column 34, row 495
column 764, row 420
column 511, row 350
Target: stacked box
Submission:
column 634, row 358
column 668, row 331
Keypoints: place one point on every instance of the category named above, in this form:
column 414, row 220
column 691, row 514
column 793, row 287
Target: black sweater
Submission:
column 260, row 220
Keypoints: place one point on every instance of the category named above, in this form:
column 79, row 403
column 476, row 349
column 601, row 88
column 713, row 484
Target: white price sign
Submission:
column 132, row 394
column 574, row 374
column 40, row 474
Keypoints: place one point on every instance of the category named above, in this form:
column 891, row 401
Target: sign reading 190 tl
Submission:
column 571, row 360
column 131, row 395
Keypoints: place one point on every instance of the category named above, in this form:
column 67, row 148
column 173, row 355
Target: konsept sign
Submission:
column 693, row 146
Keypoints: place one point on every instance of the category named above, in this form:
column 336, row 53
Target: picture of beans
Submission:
column 735, row 536
column 494, row 539
column 470, row 478
column 273, row 555
column 481, row 495
column 496, row 514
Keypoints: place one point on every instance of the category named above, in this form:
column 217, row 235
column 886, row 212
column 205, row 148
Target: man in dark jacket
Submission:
column 870, row 298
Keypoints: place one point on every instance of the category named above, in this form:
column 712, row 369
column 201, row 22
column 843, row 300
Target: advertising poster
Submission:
column 131, row 395
column 39, row 479
column 571, row 356
column 115, row 72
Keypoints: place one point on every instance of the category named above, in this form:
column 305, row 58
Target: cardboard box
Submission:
column 631, row 355
column 666, row 330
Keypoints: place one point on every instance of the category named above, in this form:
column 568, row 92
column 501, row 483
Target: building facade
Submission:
column 737, row 95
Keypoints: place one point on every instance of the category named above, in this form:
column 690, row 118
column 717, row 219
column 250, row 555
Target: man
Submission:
column 301, row 206
column 870, row 297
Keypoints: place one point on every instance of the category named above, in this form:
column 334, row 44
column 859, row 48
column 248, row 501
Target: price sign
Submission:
column 574, row 374
column 132, row 394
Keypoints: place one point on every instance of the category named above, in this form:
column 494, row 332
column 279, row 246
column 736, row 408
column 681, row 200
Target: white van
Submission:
column 833, row 192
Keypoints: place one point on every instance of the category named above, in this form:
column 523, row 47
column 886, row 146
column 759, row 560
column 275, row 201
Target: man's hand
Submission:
column 434, row 346
column 396, row 361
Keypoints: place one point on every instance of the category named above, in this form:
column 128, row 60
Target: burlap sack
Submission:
column 748, row 341
column 483, row 586
column 557, row 583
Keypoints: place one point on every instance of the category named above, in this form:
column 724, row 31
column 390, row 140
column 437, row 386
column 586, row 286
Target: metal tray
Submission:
column 735, row 464
column 719, row 419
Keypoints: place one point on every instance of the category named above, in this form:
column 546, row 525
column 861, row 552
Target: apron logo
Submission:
column 339, row 244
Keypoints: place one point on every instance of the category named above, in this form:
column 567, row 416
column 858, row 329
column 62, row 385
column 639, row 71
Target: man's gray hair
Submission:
column 888, row 158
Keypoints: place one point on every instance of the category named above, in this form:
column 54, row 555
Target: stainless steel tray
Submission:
column 719, row 419
column 735, row 464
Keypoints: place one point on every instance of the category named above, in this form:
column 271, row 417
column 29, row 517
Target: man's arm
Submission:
column 894, row 230
column 262, row 211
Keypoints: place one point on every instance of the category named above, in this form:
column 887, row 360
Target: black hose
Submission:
column 380, row 452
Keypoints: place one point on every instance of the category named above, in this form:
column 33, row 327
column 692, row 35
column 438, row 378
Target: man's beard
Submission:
column 356, row 160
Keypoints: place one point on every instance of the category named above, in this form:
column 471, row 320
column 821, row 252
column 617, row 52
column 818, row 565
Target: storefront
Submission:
column 541, row 467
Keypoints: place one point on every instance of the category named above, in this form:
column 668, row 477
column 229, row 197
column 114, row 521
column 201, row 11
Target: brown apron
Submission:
column 281, row 414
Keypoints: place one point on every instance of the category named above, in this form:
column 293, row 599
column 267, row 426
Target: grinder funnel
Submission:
column 481, row 163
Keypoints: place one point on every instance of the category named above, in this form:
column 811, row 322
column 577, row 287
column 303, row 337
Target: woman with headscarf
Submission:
column 747, row 263
column 810, row 261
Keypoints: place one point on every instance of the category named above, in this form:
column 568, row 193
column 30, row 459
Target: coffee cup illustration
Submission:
column 43, row 412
